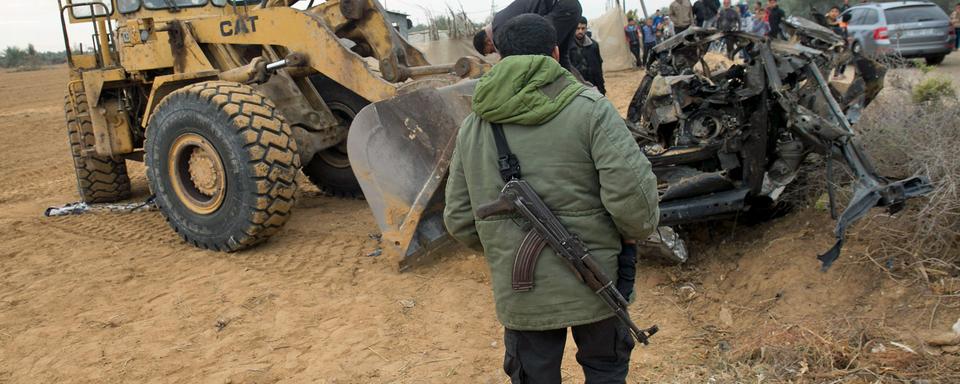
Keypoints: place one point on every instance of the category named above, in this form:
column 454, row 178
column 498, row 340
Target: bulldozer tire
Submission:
column 221, row 162
column 100, row 179
column 330, row 169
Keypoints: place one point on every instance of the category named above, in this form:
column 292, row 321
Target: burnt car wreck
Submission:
column 727, row 141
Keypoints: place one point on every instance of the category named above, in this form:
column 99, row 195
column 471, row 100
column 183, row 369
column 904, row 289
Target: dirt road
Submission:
column 118, row 298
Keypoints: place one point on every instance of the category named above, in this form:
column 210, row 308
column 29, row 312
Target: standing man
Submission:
column 657, row 19
column 955, row 21
column 711, row 9
column 632, row 32
column 846, row 5
column 585, row 57
column 700, row 13
column 649, row 40
column 728, row 18
column 775, row 15
column 681, row 13
column 562, row 14
column 575, row 151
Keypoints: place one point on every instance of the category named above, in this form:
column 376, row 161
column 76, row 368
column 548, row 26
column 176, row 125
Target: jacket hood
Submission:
column 525, row 90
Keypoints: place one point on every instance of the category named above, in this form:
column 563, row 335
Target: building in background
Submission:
column 401, row 22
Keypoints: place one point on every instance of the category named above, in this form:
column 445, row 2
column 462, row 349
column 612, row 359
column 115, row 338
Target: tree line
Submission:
column 29, row 57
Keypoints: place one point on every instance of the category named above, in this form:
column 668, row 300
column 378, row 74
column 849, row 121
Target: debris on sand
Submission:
column 940, row 342
column 80, row 208
column 408, row 303
column 726, row 317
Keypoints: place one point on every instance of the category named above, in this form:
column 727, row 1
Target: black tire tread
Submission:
column 273, row 159
column 333, row 92
column 100, row 179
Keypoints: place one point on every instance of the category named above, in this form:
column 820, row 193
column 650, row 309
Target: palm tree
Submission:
column 13, row 57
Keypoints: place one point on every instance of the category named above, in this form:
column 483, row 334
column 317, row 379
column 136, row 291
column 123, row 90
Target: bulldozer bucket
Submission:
column 400, row 150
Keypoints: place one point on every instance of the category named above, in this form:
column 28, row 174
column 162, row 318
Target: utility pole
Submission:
column 643, row 6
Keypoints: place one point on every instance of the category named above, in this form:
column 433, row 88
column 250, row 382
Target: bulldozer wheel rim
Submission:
column 197, row 174
column 336, row 156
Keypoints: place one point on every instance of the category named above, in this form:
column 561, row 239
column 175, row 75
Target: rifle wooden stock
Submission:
column 503, row 204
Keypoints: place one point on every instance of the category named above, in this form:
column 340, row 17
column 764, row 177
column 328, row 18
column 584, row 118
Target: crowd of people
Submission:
column 762, row 19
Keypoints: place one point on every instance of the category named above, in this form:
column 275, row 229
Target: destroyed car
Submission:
column 728, row 141
column 723, row 141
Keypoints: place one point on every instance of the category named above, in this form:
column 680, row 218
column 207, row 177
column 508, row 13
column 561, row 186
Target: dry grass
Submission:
column 920, row 244
column 850, row 350
column 904, row 139
column 918, row 138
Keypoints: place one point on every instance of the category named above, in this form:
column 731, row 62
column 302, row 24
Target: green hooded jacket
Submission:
column 576, row 152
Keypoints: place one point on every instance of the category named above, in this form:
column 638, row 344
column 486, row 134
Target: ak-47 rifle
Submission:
column 518, row 196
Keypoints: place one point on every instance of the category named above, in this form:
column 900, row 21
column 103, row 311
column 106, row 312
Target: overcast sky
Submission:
column 37, row 21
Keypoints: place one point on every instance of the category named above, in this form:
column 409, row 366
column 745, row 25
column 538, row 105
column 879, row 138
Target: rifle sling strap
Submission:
column 529, row 251
column 506, row 160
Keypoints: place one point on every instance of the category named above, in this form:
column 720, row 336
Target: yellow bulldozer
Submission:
column 225, row 100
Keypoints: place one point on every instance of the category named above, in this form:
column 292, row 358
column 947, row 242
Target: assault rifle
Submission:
column 518, row 196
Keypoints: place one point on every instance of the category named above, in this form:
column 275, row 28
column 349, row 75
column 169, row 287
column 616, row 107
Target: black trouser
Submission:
column 635, row 49
column 603, row 350
column 647, row 50
column 565, row 17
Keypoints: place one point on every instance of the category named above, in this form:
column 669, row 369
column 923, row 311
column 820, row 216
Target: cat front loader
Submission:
column 225, row 100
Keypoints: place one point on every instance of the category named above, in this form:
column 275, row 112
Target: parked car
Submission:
column 911, row 29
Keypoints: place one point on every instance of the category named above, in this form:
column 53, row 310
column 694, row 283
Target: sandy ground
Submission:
column 112, row 298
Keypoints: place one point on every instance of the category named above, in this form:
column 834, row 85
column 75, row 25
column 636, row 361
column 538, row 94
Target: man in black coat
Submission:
column 776, row 16
column 563, row 14
column 711, row 8
column 699, row 12
column 585, row 57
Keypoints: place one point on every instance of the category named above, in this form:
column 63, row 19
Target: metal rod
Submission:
column 277, row 65
column 66, row 36
column 104, row 36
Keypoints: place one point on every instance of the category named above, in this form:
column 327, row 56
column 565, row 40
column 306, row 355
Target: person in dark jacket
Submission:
column 700, row 12
column 585, row 57
column 578, row 155
column 633, row 35
column 728, row 18
column 775, row 17
column 846, row 5
column 711, row 9
column 564, row 15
